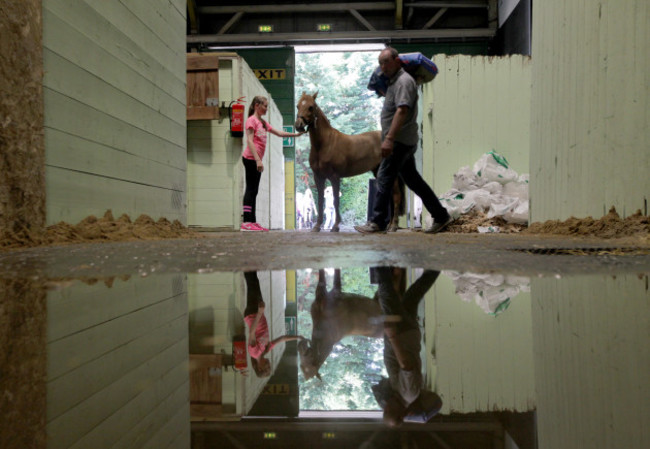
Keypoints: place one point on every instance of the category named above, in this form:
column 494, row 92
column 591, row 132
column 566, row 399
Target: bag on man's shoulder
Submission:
column 421, row 68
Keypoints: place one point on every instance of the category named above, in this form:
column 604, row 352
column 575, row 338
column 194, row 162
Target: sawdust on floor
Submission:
column 104, row 229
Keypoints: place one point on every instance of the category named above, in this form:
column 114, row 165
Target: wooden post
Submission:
column 22, row 165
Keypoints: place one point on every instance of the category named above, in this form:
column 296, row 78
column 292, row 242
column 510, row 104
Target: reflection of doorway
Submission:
column 354, row 363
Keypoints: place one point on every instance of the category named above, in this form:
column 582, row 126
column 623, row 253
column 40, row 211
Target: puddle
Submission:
column 489, row 360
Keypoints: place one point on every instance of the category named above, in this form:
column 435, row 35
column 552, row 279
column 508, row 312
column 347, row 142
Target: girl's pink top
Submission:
column 261, row 336
column 259, row 136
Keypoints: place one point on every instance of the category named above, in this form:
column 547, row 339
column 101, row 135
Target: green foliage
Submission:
column 341, row 81
column 354, row 364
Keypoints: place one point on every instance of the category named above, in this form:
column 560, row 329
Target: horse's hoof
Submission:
column 334, row 229
column 392, row 228
column 315, row 229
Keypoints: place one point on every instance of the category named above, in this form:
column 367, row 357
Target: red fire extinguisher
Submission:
column 237, row 117
column 239, row 352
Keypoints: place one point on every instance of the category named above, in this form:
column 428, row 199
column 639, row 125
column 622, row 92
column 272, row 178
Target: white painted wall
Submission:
column 476, row 104
column 590, row 134
column 215, row 171
column 117, row 364
column 114, row 94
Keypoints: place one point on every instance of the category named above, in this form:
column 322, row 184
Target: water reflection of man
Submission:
column 402, row 395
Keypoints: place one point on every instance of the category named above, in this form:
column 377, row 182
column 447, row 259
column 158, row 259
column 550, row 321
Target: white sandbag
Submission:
column 518, row 214
column 481, row 198
column 488, row 229
column 516, row 189
column 465, row 179
column 493, row 187
column 492, row 292
column 501, row 205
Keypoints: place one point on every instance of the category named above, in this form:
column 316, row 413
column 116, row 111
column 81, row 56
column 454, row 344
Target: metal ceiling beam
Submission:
column 362, row 20
column 234, row 19
column 459, row 4
column 313, row 7
column 435, row 18
column 376, row 36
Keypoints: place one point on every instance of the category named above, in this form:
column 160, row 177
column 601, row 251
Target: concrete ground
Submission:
column 531, row 255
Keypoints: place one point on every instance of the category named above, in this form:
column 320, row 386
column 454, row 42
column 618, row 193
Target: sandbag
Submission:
column 421, row 68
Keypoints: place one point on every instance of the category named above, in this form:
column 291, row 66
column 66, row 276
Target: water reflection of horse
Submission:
column 335, row 155
column 335, row 315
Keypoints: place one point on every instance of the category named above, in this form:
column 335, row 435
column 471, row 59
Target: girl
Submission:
column 259, row 343
column 256, row 129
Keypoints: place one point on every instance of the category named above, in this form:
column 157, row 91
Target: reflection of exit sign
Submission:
column 290, row 325
column 287, row 141
column 270, row 74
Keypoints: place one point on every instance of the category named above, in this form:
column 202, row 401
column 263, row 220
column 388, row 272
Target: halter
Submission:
column 308, row 125
column 314, row 122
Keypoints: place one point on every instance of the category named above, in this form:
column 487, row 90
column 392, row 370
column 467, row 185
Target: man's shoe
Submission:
column 439, row 227
column 369, row 228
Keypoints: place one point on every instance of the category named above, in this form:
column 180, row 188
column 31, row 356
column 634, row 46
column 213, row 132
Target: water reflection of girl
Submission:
column 259, row 343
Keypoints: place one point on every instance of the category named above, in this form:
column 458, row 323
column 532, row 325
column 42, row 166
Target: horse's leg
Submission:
column 336, row 186
column 399, row 203
column 320, row 187
column 337, row 280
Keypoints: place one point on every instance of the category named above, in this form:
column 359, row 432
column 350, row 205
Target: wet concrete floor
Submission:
column 539, row 255
column 581, row 331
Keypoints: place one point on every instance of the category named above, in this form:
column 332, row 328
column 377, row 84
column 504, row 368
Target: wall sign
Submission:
column 270, row 74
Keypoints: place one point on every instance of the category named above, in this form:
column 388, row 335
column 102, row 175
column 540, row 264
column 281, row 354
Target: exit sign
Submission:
column 288, row 141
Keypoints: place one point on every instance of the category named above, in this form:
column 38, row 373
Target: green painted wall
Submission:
column 114, row 95
column 476, row 104
column 117, row 364
column 590, row 127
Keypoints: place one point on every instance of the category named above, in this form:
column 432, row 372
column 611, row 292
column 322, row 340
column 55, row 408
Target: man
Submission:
column 399, row 131
column 403, row 396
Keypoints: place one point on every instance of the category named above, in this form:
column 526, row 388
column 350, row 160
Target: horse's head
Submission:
column 308, row 359
column 306, row 111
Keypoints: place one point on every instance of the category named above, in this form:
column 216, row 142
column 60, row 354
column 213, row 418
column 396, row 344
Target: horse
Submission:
column 335, row 315
column 335, row 155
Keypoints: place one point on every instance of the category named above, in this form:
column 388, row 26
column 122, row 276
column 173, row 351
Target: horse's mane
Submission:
column 321, row 115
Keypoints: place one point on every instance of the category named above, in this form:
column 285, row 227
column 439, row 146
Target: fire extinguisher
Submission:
column 237, row 118
column 239, row 352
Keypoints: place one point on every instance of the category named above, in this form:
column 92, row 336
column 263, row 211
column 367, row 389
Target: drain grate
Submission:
column 585, row 251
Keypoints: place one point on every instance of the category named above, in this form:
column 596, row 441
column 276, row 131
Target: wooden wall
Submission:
column 114, row 93
column 590, row 96
column 117, row 364
column 478, row 362
column 215, row 171
column 474, row 105
column 592, row 359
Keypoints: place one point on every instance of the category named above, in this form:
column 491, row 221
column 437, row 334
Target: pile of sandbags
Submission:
column 491, row 186
column 491, row 292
